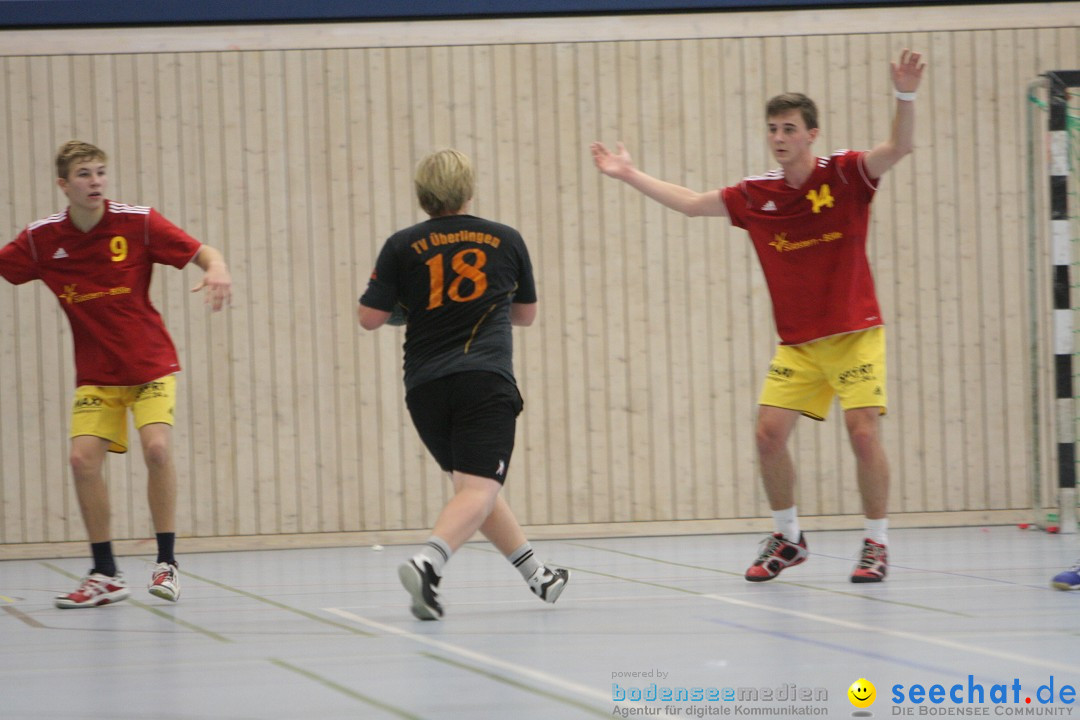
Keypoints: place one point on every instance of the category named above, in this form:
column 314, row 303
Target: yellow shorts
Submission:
column 806, row 377
column 102, row 411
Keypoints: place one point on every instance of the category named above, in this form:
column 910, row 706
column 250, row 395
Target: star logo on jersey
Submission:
column 59, row 254
column 69, row 294
column 769, row 207
column 822, row 197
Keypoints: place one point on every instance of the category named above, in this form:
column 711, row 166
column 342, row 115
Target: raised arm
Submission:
column 906, row 76
column 217, row 279
column 619, row 166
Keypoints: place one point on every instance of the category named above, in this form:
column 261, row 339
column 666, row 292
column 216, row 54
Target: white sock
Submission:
column 524, row 560
column 787, row 523
column 878, row 530
column 436, row 552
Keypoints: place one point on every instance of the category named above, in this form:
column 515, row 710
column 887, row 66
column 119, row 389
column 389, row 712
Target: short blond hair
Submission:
column 76, row 151
column 444, row 182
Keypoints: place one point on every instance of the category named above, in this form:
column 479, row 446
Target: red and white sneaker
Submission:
column 96, row 589
column 777, row 553
column 873, row 565
column 165, row 582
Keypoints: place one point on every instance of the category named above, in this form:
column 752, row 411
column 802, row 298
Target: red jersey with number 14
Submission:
column 811, row 242
column 102, row 280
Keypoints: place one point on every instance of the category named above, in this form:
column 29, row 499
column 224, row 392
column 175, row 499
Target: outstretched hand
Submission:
column 615, row 164
column 219, row 286
column 907, row 73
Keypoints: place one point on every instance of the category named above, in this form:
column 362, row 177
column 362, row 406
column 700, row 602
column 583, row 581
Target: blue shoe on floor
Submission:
column 1068, row 580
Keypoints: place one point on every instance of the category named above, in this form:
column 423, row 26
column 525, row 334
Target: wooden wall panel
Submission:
column 642, row 373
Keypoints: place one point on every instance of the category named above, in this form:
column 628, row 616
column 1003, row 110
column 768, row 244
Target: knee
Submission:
column 157, row 453
column 864, row 440
column 84, row 464
column 770, row 439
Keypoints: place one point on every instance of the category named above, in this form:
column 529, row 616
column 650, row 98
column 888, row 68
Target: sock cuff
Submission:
column 521, row 555
column 440, row 546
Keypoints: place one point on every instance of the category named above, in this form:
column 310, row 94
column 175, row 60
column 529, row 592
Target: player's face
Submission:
column 789, row 139
column 85, row 185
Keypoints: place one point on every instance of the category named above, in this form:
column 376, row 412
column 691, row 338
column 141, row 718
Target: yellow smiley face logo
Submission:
column 862, row 693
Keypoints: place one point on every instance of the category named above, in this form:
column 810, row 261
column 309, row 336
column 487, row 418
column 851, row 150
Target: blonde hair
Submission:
column 76, row 151
column 444, row 182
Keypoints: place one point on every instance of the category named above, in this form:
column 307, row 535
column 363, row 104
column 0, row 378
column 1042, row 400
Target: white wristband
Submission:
column 906, row 96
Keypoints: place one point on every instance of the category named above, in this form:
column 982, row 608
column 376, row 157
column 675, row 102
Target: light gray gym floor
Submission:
column 326, row 633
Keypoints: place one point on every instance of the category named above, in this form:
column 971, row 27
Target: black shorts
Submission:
column 467, row 421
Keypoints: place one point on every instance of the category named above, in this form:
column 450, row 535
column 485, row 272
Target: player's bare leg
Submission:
column 87, row 461
column 871, row 465
column 872, row 469
column 103, row 585
column 156, row 440
column 774, row 427
column 785, row 547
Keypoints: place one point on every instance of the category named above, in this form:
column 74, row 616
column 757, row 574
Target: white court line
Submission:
column 901, row 634
column 537, row 675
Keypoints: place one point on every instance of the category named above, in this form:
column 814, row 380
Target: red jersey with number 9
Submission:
column 811, row 242
column 102, row 280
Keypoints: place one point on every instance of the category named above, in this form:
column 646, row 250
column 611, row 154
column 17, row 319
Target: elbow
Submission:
column 522, row 314
column 902, row 149
column 366, row 320
column 697, row 206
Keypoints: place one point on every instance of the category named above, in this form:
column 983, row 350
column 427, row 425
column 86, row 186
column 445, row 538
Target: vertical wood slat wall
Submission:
column 642, row 372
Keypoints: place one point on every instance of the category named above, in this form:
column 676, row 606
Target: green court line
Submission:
column 19, row 614
column 326, row 682
column 844, row 593
column 281, row 606
column 519, row 685
column 151, row 609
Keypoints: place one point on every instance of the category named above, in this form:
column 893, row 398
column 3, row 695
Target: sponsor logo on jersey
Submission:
column 782, row 244
column 73, row 297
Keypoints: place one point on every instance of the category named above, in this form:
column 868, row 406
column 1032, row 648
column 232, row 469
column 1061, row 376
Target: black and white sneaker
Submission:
column 420, row 580
column 547, row 583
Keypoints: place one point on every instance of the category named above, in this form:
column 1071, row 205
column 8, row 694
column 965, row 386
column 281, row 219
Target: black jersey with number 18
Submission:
column 456, row 277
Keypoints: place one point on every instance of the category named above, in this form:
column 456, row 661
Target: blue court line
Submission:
column 869, row 654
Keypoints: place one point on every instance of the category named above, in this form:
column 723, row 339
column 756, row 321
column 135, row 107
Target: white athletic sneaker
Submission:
column 548, row 582
column 165, row 582
column 421, row 582
column 96, row 589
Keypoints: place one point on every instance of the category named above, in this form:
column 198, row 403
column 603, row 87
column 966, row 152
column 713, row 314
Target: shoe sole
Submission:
column 100, row 600
column 413, row 582
column 860, row 579
column 800, row 561
column 164, row 593
column 1064, row 586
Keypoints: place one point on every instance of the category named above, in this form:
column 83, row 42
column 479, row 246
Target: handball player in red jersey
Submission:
column 808, row 222
column 97, row 257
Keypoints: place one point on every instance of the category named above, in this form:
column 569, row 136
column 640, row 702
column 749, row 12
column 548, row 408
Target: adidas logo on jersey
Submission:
column 769, row 207
column 60, row 253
